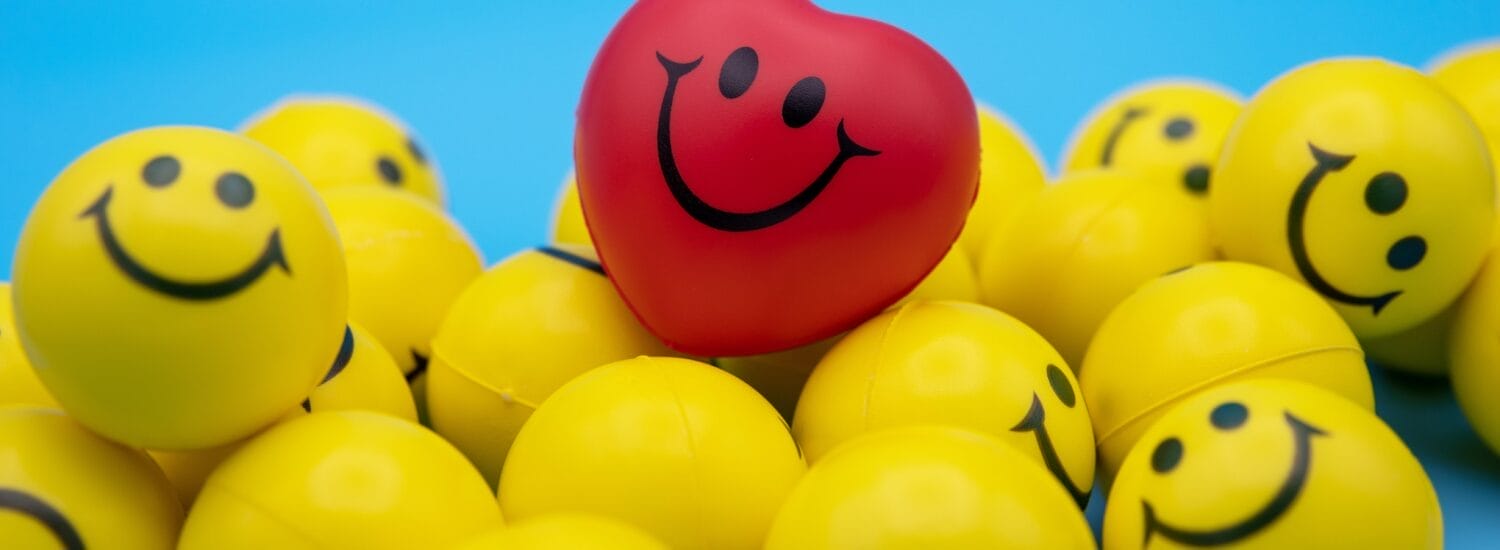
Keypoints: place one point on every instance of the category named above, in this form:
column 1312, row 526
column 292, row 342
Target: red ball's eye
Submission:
column 738, row 72
column 803, row 102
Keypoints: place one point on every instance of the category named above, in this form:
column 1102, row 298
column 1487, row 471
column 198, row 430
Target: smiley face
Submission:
column 197, row 261
column 1035, row 423
column 1366, row 181
column 1270, row 463
column 43, row 513
column 1169, row 129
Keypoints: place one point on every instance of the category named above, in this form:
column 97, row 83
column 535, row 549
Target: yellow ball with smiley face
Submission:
column 1366, row 181
column 1271, row 464
column 1169, row 129
column 179, row 288
column 956, row 364
column 343, row 141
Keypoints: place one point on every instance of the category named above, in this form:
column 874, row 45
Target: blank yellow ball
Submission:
column 1472, row 75
column 18, row 382
column 348, row 479
column 1420, row 350
column 524, row 328
column 1474, row 352
column 1010, row 171
column 566, row 532
column 678, row 448
column 1207, row 325
column 1083, row 245
column 568, row 226
column 61, row 486
column 928, row 487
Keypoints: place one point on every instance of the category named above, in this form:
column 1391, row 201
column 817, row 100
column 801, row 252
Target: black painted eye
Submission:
column 1167, row 455
column 803, row 102
column 1385, row 193
column 416, row 151
column 738, row 72
column 1229, row 416
column 1060, row 385
column 161, row 171
column 1196, row 179
column 1406, row 253
column 234, row 190
column 1179, row 128
column 389, row 171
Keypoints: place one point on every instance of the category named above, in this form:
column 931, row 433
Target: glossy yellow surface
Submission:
column 344, row 141
column 953, row 279
column 779, row 376
column 1472, row 74
column 18, row 382
column 347, row 479
column 1271, row 464
column 1210, row 324
column 1086, row 243
column 568, row 226
column 1474, row 353
column 954, row 364
column 928, row 487
column 1010, row 172
column 527, row 326
column 1169, row 130
column 1420, row 350
column 565, row 532
column 1366, row 181
column 104, row 494
column 179, row 288
column 407, row 261
column 678, row 448
column 370, row 381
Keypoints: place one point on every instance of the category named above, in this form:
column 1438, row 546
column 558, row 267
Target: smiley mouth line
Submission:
column 1035, row 421
column 271, row 256
column 346, row 354
column 1291, row 487
column 725, row 220
column 1131, row 113
column 1297, row 240
column 48, row 516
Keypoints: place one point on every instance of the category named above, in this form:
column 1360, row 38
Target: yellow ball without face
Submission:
column 1169, row 130
column 61, row 486
column 1086, row 243
column 341, row 141
column 348, row 479
column 408, row 261
column 1420, row 350
column 1366, row 181
column 957, row 364
column 1009, row 172
column 1474, row 351
column 1472, row 75
column 928, row 487
column 676, row 447
column 568, row 226
column 18, row 382
column 1210, row 324
column 566, row 531
column 1271, row 464
column 527, row 326
column 179, row 288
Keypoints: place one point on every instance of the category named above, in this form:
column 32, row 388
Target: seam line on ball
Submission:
column 508, row 395
column 885, row 335
column 1212, row 381
column 1075, row 243
column 266, row 512
column 687, row 431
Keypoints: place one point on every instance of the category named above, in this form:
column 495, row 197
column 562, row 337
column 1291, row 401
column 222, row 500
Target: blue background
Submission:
column 491, row 88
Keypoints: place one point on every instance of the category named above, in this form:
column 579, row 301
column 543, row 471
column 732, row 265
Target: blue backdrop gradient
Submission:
column 491, row 87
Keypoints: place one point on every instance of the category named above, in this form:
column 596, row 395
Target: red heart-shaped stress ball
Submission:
column 760, row 174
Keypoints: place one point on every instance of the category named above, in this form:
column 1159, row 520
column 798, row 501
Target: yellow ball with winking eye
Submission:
column 1271, row 464
column 179, row 288
column 343, row 141
column 1168, row 129
column 1366, row 181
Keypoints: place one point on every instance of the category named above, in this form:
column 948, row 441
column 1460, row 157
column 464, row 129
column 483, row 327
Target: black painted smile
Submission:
column 1035, row 422
column 48, row 516
column 723, row 219
column 270, row 257
column 1268, row 514
column 1131, row 114
column 1296, row 239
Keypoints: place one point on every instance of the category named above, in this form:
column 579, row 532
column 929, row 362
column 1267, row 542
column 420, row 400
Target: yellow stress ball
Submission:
column 1167, row 129
column 924, row 487
column 1366, row 181
column 18, row 382
column 179, row 288
column 1420, row 350
column 343, row 141
column 524, row 328
column 565, row 531
column 1474, row 353
column 1062, row 262
column 1204, row 326
column 1271, row 464
column 675, row 447
column 568, row 226
column 407, row 261
column 1472, row 74
column 347, row 479
column 1009, row 172
column 957, row 364
column 61, row 486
